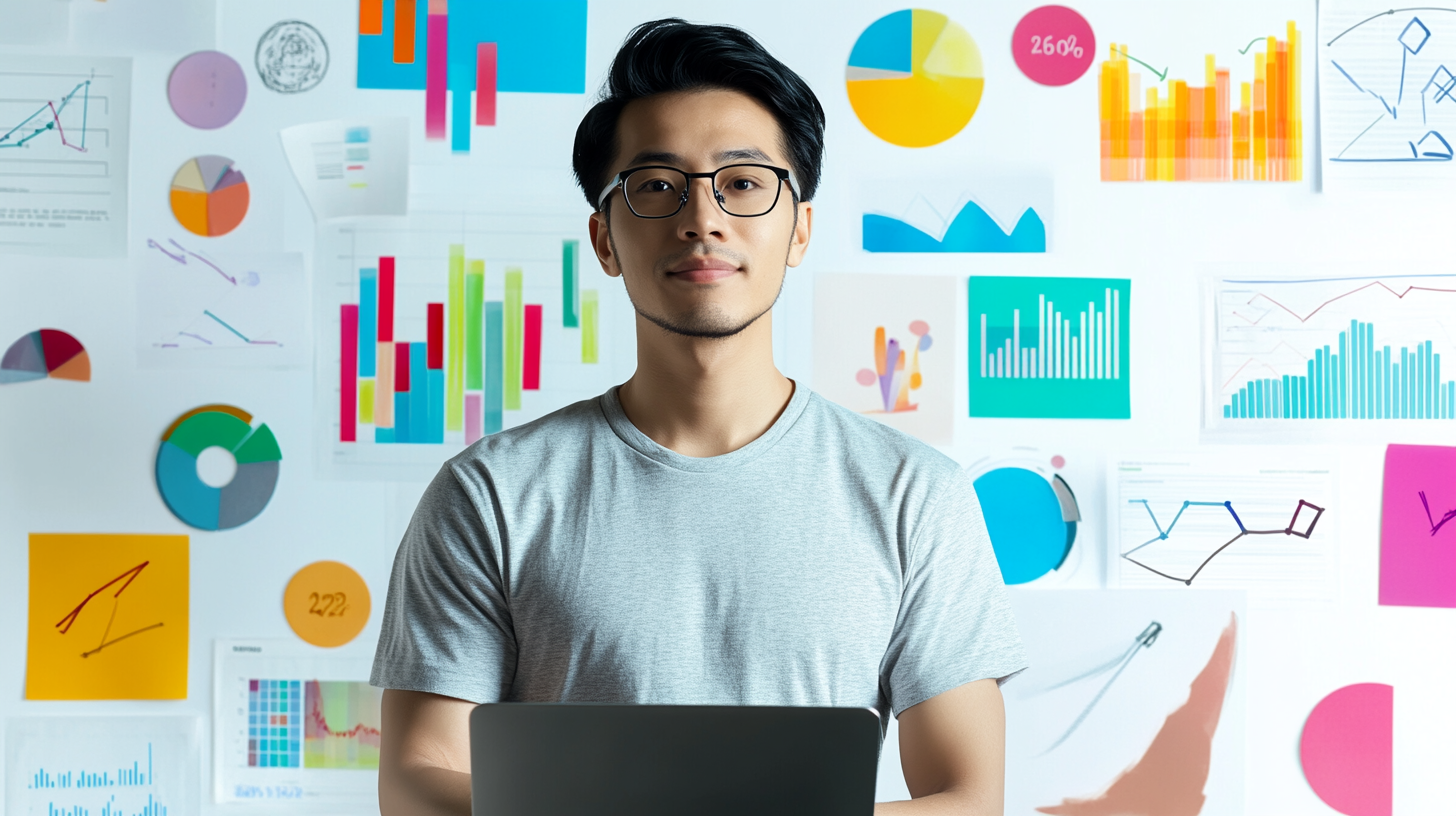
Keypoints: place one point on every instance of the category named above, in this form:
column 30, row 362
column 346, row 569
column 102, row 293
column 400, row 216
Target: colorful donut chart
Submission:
column 240, row 500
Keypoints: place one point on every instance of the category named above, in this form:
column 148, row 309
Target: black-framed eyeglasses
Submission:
column 659, row 191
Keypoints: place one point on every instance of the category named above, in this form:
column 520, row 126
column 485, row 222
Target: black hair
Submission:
column 672, row 54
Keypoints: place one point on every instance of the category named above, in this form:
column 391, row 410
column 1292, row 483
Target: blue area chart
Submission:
column 1032, row 521
column 972, row 230
column 239, row 501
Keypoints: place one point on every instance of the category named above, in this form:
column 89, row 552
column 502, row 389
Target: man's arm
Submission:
column 953, row 752
column 424, row 755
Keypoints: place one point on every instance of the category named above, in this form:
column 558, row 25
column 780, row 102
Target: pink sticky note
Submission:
column 1418, row 527
column 1347, row 749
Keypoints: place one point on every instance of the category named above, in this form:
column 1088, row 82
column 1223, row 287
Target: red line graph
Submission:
column 130, row 575
column 317, row 726
column 1317, row 309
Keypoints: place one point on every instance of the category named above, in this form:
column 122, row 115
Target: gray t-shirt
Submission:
column 831, row 562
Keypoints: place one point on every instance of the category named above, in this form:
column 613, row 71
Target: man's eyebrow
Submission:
column 741, row 154
column 663, row 157
column 655, row 157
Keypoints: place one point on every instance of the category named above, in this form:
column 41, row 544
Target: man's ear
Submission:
column 803, row 225
column 601, row 239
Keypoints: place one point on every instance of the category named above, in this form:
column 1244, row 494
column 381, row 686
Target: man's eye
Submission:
column 656, row 186
column 744, row 184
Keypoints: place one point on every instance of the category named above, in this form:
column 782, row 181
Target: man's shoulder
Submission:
column 868, row 442
column 536, row 444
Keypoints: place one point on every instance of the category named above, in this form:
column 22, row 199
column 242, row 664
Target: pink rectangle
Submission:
column 349, row 372
column 485, row 83
column 437, row 30
column 1418, row 527
column 473, row 406
column 386, row 298
column 531, row 362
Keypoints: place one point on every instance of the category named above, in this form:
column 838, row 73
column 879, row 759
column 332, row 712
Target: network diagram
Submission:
column 1408, row 83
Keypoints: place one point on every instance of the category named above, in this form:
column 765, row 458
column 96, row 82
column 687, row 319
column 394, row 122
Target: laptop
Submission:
column 574, row 759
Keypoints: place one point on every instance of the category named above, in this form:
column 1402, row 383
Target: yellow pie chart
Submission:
column 914, row 78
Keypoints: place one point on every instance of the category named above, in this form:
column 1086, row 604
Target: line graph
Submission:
column 64, row 625
column 1295, row 528
column 1117, row 665
column 1208, row 520
column 63, row 154
column 1435, row 525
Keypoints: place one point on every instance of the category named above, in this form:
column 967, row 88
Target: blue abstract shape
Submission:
column 887, row 44
column 973, row 230
column 1025, row 520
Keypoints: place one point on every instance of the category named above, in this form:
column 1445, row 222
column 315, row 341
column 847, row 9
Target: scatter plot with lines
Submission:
column 201, row 309
column 1327, row 358
column 108, row 617
column 1258, row 521
column 1387, row 91
column 294, row 723
column 63, row 155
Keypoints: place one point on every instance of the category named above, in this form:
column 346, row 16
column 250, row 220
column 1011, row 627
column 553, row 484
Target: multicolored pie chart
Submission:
column 914, row 78
column 46, row 353
column 1031, row 515
column 239, row 501
column 209, row 196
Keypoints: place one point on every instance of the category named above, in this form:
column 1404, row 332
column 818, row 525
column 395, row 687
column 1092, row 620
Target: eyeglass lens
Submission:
column 745, row 190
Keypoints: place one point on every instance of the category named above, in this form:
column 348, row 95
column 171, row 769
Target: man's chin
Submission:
column 704, row 326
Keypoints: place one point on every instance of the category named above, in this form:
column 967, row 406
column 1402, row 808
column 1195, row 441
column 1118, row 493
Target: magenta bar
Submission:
column 485, row 83
column 348, row 372
column 473, row 406
column 1417, row 538
column 437, row 34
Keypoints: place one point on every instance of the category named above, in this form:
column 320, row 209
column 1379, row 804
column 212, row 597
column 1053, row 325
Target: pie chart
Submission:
column 914, row 78
column 1031, row 515
column 239, row 501
column 45, row 353
column 209, row 196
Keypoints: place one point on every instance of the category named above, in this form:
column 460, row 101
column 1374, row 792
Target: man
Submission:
column 710, row 532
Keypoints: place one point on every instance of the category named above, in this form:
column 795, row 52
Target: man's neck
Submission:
column 705, row 397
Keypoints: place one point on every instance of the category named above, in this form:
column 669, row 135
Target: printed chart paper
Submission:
column 1134, row 703
column 1387, row 110
column 197, row 308
column 1330, row 358
column 351, row 166
column 69, row 766
column 1418, row 527
column 1254, row 520
column 978, row 215
column 875, row 349
column 294, row 723
column 63, row 155
column 108, row 617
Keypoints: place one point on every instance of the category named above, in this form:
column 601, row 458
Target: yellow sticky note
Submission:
column 108, row 617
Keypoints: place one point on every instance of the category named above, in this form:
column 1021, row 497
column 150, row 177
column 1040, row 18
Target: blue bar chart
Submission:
column 1332, row 349
column 101, row 766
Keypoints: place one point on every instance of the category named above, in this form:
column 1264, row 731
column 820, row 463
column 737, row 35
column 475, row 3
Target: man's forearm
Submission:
column 424, row 791
column 946, row 803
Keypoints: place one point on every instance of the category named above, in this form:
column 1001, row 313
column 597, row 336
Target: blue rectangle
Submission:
column 368, row 320
column 402, row 430
column 495, row 368
column 435, row 387
column 419, row 397
column 461, row 118
column 377, row 68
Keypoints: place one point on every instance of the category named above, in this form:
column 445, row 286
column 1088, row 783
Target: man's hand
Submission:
column 424, row 755
column 953, row 752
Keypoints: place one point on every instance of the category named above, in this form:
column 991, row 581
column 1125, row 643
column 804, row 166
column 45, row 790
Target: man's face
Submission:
column 702, row 272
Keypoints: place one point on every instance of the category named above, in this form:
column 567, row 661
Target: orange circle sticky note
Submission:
column 326, row 603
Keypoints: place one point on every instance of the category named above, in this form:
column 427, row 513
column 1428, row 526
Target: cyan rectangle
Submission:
column 495, row 367
column 419, row 398
column 368, row 320
column 435, row 387
column 402, row 418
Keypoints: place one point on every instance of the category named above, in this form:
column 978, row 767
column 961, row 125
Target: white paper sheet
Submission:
column 350, row 167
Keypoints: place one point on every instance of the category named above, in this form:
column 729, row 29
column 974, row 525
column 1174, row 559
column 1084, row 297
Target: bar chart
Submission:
column 1049, row 347
column 1332, row 349
column 446, row 329
column 101, row 766
column 1194, row 133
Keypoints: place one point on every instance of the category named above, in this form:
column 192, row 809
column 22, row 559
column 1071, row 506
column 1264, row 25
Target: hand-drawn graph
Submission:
column 486, row 47
column 1386, row 89
column 1028, row 360
column 886, row 320
column 63, row 152
column 1193, row 133
column 108, row 617
column 437, row 330
column 294, row 722
column 101, row 766
column 1362, row 348
column 1132, row 704
column 200, row 309
column 1418, row 527
column 1224, row 522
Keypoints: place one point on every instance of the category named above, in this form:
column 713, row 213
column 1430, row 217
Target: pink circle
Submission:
column 207, row 89
column 919, row 327
column 1058, row 462
column 1053, row 45
column 865, row 377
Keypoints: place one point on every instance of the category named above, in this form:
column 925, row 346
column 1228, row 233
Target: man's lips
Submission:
column 702, row 270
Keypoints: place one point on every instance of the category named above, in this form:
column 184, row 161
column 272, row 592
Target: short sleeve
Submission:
column 447, row 626
column 955, row 623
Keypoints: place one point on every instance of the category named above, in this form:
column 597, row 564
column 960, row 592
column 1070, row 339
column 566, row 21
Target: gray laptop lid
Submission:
column 531, row 759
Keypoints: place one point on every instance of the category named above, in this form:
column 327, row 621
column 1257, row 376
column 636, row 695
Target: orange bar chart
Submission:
column 1194, row 132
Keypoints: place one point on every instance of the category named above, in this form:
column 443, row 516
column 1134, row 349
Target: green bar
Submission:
column 515, row 319
column 455, row 342
column 570, row 283
column 474, row 325
column 589, row 326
